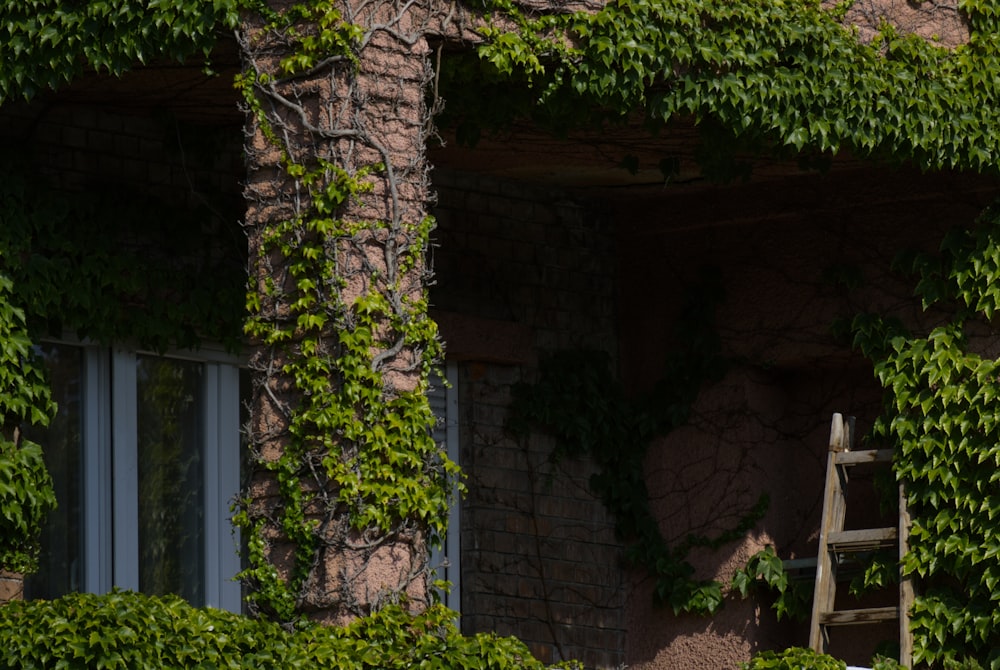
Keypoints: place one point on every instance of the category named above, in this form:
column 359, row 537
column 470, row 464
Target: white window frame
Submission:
column 446, row 561
column 110, row 470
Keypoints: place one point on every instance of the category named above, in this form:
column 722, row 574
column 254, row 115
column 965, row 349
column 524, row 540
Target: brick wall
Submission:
column 539, row 556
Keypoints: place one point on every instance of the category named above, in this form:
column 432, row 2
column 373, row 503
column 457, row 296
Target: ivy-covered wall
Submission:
column 120, row 223
column 336, row 130
column 796, row 258
column 796, row 254
column 123, row 185
column 348, row 489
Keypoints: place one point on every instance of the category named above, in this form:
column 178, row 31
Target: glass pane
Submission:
column 60, row 568
column 171, row 477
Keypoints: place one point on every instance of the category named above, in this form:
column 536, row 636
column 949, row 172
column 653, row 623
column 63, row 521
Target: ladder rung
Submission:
column 859, row 617
column 863, row 456
column 866, row 539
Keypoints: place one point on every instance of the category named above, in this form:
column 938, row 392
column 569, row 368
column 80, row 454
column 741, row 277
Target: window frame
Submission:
column 109, row 452
column 446, row 560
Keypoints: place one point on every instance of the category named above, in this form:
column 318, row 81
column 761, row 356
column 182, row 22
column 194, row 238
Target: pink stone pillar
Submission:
column 367, row 118
column 11, row 587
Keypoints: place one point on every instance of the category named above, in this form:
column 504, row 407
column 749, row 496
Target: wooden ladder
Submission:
column 837, row 544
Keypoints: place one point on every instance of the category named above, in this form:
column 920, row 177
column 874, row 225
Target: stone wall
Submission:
column 539, row 555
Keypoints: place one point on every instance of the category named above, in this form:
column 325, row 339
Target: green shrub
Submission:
column 129, row 631
column 794, row 658
column 26, row 496
column 797, row 658
column 886, row 663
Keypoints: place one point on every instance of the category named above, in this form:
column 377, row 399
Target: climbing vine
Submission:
column 338, row 310
column 577, row 400
column 790, row 78
column 351, row 344
column 346, row 342
column 110, row 266
column 765, row 572
column 47, row 43
column 943, row 386
column 760, row 75
column 26, row 494
column 68, row 267
column 796, row 658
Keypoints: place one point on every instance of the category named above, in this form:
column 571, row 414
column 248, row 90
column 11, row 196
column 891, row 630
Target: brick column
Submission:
column 354, row 117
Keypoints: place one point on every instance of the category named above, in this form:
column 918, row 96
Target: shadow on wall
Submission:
column 797, row 259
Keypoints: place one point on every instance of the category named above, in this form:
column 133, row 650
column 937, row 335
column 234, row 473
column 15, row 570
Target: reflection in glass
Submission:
column 171, row 477
column 60, row 565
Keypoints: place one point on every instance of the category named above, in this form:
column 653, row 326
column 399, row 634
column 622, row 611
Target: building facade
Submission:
column 541, row 246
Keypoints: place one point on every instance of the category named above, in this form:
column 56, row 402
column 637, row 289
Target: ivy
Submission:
column 76, row 266
column 358, row 460
column 765, row 570
column 26, row 493
column 797, row 658
column 768, row 75
column 24, row 393
column 880, row 570
column 942, row 415
column 123, row 630
column 26, row 497
column 47, row 43
column 789, row 78
column 376, row 453
column 327, row 36
column 577, row 400
column 794, row 658
column 764, row 75
column 65, row 268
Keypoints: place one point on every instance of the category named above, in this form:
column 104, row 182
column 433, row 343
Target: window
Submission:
column 446, row 561
column 144, row 454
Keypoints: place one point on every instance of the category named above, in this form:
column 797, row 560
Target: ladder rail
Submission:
column 905, row 583
column 834, row 510
column 834, row 542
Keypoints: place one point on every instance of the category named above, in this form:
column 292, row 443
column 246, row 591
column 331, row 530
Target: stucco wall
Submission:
column 529, row 268
column 939, row 22
column 778, row 248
